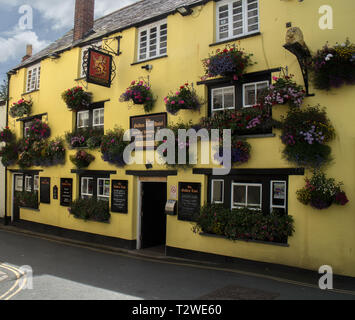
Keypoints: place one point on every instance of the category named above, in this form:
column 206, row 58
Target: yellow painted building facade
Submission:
column 321, row 237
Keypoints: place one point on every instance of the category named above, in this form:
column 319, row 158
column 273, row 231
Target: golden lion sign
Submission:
column 99, row 68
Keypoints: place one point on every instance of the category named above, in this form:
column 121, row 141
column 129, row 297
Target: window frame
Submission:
column 255, row 83
column 90, row 110
column 247, row 185
column 212, row 190
column 98, row 188
column 224, row 108
column 78, row 119
column 95, row 177
column 17, row 185
column 147, row 29
column 230, row 20
column 272, row 206
column 33, row 82
column 87, row 195
column 93, row 118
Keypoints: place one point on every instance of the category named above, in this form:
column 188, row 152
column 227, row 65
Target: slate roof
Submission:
column 129, row 16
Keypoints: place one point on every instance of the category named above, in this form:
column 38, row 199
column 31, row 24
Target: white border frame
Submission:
column 272, row 196
column 230, row 20
column 81, row 187
column 212, row 182
column 246, row 195
column 222, row 88
column 98, row 188
column 255, row 91
column 77, row 118
column 93, row 117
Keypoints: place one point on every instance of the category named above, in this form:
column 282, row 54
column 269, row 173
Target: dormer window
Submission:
column 33, row 78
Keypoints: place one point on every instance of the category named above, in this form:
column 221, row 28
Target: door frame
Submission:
column 140, row 182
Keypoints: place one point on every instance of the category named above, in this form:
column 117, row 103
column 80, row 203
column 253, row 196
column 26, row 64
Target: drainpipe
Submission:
column 7, row 123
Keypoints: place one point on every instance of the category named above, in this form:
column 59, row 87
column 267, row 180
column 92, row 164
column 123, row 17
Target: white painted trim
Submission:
column 246, row 195
column 255, row 91
column 223, row 89
column 272, row 196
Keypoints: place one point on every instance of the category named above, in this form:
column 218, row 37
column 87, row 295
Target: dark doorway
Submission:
column 18, row 186
column 154, row 196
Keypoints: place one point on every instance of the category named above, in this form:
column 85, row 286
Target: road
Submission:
column 62, row 271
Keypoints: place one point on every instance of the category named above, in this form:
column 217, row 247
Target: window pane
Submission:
column 18, row 183
column 279, row 194
column 217, row 191
column 217, row 99
column 254, row 193
column 239, row 195
column 249, row 95
column 83, row 119
column 229, row 98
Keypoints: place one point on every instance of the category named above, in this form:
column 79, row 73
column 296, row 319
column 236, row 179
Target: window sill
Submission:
column 235, row 39
column 29, row 92
column 145, row 61
column 257, row 136
column 252, row 241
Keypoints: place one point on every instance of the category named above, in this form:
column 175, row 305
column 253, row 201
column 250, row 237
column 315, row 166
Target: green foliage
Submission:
column 305, row 134
column 90, row 209
column 3, row 91
column 82, row 159
column 113, row 146
column 139, row 92
column 21, row 108
column 334, row 66
column 84, row 138
column 244, row 224
column 26, row 199
column 76, row 98
column 9, row 154
column 321, row 192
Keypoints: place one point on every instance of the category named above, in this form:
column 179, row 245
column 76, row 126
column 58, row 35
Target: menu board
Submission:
column 189, row 201
column 45, row 190
column 66, row 192
column 119, row 196
column 140, row 123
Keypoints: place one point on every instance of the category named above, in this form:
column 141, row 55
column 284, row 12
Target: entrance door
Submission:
column 154, row 196
column 18, row 187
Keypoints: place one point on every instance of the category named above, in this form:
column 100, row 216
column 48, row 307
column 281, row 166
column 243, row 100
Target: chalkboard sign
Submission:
column 66, row 192
column 119, row 196
column 189, row 201
column 45, row 190
column 55, row 193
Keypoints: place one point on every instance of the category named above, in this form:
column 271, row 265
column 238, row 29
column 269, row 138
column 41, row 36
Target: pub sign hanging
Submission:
column 99, row 68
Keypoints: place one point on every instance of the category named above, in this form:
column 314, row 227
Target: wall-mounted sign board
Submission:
column 45, row 190
column 66, row 192
column 99, row 68
column 189, row 201
column 119, row 196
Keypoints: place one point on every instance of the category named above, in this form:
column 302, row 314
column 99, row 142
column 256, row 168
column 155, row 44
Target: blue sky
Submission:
column 51, row 19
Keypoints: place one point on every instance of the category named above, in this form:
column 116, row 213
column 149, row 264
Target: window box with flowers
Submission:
column 283, row 91
column 21, row 108
column 305, row 134
column 77, row 99
column 321, row 192
column 82, row 159
column 334, row 66
column 90, row 209
column 184, row 99
column 240, row 152
column 85, row 138
column 231, row 62
column 38, row 130
column 140, row 93
column 244, row 224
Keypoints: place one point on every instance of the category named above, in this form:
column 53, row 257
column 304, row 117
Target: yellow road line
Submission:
column 252, row 274
column 15, row 284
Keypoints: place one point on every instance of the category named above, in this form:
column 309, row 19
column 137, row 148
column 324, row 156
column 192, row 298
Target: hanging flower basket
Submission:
column 283, row 91
column 305, row 134
column 9, row 154
column 21, row 108
column 77, row 99
column 6, row 135
column 113, row 146
column 230, row 62
column 186, row 98
column 82, row 159
column 239, row 152
column 139, row 93
column 321, row 192
column 334, row 66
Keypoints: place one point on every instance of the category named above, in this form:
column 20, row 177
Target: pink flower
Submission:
column 173, row 102
column 133, row 83
column 275, row 78
column 177, row 93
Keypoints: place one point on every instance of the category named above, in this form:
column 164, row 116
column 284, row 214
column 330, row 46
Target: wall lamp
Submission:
column 147, row 67
column 184, row 11
column 54, row 55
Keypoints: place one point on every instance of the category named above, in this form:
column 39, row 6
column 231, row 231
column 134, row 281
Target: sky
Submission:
column 50, row 20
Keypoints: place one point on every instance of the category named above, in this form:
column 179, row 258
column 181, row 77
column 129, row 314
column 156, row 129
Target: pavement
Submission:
column 41, row 267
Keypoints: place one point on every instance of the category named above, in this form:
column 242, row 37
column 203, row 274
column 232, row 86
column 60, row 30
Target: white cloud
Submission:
column 61, row 12
column 15, row 46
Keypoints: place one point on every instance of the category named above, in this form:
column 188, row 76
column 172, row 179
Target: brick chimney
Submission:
column 84, row 18
column 28, row 52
